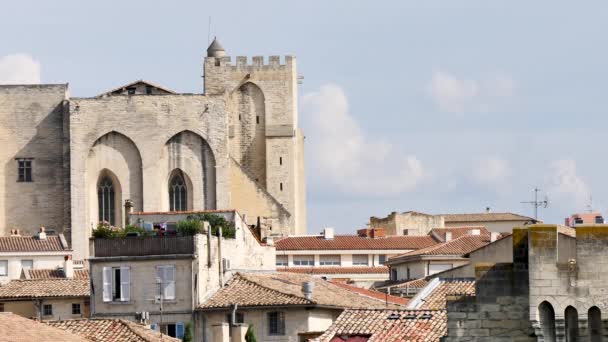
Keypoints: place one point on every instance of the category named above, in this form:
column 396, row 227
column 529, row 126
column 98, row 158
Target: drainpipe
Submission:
column 233, row 314
column 219, row 256
column 208, row 243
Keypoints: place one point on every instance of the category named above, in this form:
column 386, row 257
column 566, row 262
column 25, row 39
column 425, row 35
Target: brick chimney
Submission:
column 68, row 267
column 42, row 234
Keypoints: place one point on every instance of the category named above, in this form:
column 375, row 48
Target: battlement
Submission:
column 257, row 63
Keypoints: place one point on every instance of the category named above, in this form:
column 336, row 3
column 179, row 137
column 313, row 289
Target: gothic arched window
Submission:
column 177, row 193
column 105, row 198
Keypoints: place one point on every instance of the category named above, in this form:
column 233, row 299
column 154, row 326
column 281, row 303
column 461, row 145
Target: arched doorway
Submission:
column 571, row 324
column 595, row 324
column 547, row 321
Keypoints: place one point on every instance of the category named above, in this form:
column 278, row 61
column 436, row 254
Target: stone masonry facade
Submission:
column 237, row 146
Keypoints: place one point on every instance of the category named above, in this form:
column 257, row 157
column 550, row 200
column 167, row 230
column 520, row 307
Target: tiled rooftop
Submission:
column 52, row 243
column 436, row 299
column 45, row 288
column 456, row 247
column 485, row 217
column 353, row 242
column 412, row 283
column 335, row 270
column 457, row 231
column 111, row 330
column 387, row 326
column 373, row 294
column 20, row 329
column 53, row 274
column 281, row 289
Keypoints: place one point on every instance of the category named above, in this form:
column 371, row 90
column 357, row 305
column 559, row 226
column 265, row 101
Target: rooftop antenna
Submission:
column 209, row 32
column 536, row 203
column 590, row 204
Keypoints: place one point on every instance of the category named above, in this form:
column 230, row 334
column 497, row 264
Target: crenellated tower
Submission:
column 265, row 140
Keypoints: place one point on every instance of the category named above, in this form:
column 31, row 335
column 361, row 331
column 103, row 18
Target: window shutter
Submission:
column 125, row 284
column 179, row 329
column 170, row 282
column 107, row 284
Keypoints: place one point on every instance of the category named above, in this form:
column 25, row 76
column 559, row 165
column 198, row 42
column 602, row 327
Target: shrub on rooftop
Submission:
column 216, row 222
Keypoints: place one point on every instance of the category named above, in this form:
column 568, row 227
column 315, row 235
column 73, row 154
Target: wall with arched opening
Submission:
column 191, row 155
column 571, row 320
column 173, row 197
column 596, row 326
column 248, row 136
column 546, row 316
column 114, row 155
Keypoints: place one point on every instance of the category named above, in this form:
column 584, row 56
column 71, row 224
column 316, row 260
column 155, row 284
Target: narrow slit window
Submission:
column 281, row 186
column 280, row 160
column 257, row 119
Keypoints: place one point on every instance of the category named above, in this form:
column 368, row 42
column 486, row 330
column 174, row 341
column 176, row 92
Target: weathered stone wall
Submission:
column 32, row 126
column 415, row 223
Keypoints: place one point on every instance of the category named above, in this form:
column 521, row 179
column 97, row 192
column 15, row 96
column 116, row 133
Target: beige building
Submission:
column 133, row 277
column 494, row 222
column 354, row 258
column 74, row 162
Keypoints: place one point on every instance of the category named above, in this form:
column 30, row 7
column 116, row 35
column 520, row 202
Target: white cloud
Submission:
column 567, row 184
column 345, row 157
column 19, row 68
column 491, row 171
column 456, row 95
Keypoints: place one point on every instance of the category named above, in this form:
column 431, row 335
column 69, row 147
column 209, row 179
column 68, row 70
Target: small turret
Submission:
column 215, row 49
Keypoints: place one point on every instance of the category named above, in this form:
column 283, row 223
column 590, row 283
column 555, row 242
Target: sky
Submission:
column 433, row 106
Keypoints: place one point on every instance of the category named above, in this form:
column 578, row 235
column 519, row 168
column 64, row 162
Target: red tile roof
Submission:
column 335, row 270
column 281, row 289
column 373, row 294
column 20, row 329
column 346, row 242
column 387, row 326
column 52, row 243
column 437, row 299
column 485, row 217
column 54, row 274
column 457, row 231
column 457, row 247
column 45, row 288
column 111, row 330
column 412, row 283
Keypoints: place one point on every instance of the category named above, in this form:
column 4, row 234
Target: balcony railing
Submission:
column 141, row 246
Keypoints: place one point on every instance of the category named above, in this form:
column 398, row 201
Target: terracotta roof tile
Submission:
column 457, row 231
column 485, row 217
column 388, row 326
column 281, row 289
column 45, row 288
column 436, row 300
column 345, row 242
column 373, row 294
column 412, row 283
column 20, row 329
column 54, row 274
column 335, row 270
column 456, row 247
column 114, row 330
column 52, row 243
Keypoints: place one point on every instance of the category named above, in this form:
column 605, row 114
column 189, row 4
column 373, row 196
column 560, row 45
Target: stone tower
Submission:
column 264, row 138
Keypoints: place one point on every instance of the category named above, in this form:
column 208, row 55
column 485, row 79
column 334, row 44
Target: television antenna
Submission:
column 590, row 204
column 536, row 203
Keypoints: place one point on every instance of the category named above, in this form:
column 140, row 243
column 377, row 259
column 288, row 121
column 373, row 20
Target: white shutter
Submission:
column 107, row 284
column 169, row 281
column 125, row 284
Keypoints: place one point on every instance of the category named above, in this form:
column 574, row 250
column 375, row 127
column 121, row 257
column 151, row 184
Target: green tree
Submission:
column 216, row 222
column 189, row 227
column 250, row 335
column 188, row 336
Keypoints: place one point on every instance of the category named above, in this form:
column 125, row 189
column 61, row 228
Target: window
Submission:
column 165, row 278
column 177, row 193
column 281, row 186
column 148, row 90
column 281, row 260
column 405, row 232
column 27, row 264
column 303, row 260
column 105, row 198
column 393, row 274
column 382, row 258
column 329, row 260
column 47, row 310
column 1, row 307
column 257, row 119
column 360, row 260
column 75, row 308
column 276, row 323
column 173, row 329
column 3, row 267
column 24, row 170
column 116, row 284
column 131, row 90
column 280, row 160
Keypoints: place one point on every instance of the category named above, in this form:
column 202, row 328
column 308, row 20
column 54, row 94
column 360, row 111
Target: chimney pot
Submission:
column 448, row 236
column 328, row 233
column 68, row 267
column 308, row 289
column 42, row 234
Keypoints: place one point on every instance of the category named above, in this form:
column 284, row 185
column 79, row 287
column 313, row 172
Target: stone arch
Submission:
column 596, row 326
column 546, row 316
column 190, row 153
column 116, row 156
column 571, row 318
column 248, row 136
column 178, row 173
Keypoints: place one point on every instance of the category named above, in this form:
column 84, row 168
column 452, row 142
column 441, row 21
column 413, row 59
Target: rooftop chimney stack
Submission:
column 328, row 233
column 494, row 236
column 448, row 236
column 488, row 210
column 42, row 234
column 68, row 267
column 308, row 289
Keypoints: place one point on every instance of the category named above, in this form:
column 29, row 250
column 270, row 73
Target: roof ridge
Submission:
column 271, row 289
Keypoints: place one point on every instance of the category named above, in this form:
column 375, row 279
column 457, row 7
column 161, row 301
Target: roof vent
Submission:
column 393, row 316
column 42, row 234
column 308, row 289
column 328, row 233
column 426, row 316
column 475, row 231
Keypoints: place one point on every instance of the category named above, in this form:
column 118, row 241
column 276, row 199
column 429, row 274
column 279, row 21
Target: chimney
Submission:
column 42, row 234
column 308, row 289
column 494, row 236
column 221, row 332
column 68, row 267
column 475, row 231
column 15, row 232
column 488, row 210
column 328, row 233
column 448, row 236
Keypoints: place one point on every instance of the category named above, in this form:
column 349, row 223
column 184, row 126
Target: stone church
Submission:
column 69, row 163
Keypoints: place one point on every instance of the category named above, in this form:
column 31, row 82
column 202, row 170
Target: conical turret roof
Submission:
column 215, row 49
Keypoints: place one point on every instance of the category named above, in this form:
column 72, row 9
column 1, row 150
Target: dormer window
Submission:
column 131, row 90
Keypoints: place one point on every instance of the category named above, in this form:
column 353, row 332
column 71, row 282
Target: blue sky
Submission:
column 432, row 106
